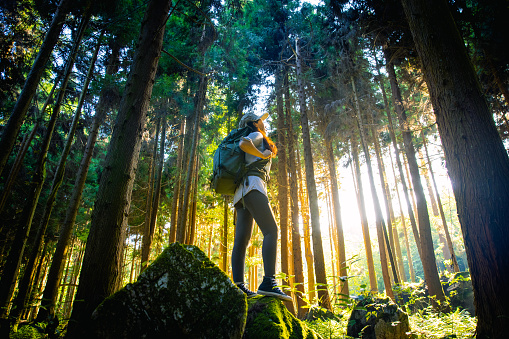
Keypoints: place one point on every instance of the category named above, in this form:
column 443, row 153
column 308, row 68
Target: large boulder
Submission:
column 268, row 318
column 378, row 319
column 182, row 294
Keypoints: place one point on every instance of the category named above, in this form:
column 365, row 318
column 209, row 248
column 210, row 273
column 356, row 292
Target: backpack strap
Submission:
column 257, row 168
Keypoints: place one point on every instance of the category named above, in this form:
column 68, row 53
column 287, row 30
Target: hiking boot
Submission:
column 243, row 287
column 269, row 288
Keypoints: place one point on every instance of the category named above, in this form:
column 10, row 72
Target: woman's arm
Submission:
column 247, row 146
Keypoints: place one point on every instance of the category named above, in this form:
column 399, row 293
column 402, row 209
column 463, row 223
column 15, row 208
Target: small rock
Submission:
column 378, row 319
column 182, row 294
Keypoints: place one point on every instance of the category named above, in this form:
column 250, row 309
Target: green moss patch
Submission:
column 268, row 318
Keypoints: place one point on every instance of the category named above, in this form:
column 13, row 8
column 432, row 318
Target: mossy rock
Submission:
column 378, row 319
column 182, row 294
column 268, row 318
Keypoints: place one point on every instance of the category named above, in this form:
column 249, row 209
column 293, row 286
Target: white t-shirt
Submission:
column 252, row 182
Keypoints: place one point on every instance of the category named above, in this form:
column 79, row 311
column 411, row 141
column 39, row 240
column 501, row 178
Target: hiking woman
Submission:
column 251, row 202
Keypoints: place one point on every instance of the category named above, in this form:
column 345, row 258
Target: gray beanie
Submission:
column 251, row 116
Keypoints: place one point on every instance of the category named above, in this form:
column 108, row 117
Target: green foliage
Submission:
column 424, row 324
column 27, row 332
column 330, row 328
column 428, row 324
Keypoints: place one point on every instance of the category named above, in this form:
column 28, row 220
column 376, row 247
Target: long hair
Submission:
column 267, row 142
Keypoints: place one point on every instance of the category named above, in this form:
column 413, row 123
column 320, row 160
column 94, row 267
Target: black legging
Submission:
column 255, row 204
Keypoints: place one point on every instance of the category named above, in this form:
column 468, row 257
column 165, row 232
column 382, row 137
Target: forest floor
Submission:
column 424, row 324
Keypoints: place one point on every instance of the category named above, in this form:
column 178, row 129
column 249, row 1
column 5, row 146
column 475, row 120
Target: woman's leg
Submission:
column 243, row 230
column 258, row 205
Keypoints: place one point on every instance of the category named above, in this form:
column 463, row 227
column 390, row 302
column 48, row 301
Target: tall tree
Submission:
column 427, row 252
column 340, row 239
column 473, row 150
column 441, row 209
column 150, row 230
column 102, row 255
column 24, row 285
column 13, row 262
column 383, row 241
column 364, row 217
column 323, row 293
column 108, row 98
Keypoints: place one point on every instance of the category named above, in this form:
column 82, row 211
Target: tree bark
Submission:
column 224, row 237
column 11, row 130
column 194, row 201
column 473, row 150
column 321, row 278
column 294, row 202
column 105, row 240
column 176, row 187
column 156, row 196
column 182, row 215
column 282, row 181
column 146, row 240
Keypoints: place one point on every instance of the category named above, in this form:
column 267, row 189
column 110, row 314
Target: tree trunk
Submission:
column 194, row 202
column 105, row 240
column 176, row 187
column 11, row 130
column 380, row 225
column 304, row 203
column 473, row 150
column 57, row 264
column 182, row 215
column 392, row 78
column 155, row 197
column 13, row 262
column 434, row 208
column 388, row 207
column 364, row 220
column 403, row 225
column 24, row 287
column 13, row 173
column 450, row 247
column 321, row 278
column 224, row 237
column 294, row 203
column 340, row 240
column 146, row 240
column 282, row 180
column 426, row 242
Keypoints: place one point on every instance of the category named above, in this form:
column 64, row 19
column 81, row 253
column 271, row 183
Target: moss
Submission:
column 268, row 318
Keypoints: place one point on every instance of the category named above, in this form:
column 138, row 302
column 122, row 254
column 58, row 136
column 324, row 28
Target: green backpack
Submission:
column 229, row 166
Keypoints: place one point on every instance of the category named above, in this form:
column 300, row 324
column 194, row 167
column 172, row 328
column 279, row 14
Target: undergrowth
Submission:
column 458, row 324
column 424, row 324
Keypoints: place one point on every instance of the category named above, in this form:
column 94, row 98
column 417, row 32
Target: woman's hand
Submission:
column 266, row 154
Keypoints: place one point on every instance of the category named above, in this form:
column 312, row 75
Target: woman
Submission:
column 251, row 201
